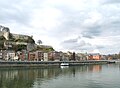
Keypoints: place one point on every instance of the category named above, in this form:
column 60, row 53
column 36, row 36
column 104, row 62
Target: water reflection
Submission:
column 95, row 68
column 25, row 78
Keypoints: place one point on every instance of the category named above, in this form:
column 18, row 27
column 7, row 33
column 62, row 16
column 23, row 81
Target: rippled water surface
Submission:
column 89, row 76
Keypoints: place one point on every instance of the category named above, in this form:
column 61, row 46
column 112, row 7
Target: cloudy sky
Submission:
column 75, row 25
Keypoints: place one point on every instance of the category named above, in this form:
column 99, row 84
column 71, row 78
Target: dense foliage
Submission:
column 19, row 47
column 44, row 49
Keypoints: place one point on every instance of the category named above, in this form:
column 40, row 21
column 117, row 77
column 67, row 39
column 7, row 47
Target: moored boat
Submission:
column 64, row 64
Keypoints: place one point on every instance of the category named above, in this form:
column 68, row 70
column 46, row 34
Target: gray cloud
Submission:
column 92, row 32
column 100, row 46
column 18, row 11
column 72, row 22
column 70, row 41
column 88, row 20
column 12, row 12
column 112, row 1
column 76, row 44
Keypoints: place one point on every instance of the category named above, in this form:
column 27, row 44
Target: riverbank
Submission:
column 51, row 63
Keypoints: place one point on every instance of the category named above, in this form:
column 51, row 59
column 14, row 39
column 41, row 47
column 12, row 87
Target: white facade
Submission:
column 1, row 55
column 9, row 55
column 65, row 57
column 15, row 58
column 45, row 56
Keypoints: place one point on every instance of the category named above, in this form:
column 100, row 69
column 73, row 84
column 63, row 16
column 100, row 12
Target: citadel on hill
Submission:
column 5, row 31
column 10, row 40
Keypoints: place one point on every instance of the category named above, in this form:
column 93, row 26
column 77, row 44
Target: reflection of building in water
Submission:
column 73, row 72
column 21, row 78
column 45, row 72
column 8, row 74
column 95, row 68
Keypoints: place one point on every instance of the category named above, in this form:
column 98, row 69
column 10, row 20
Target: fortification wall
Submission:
column 19, row 36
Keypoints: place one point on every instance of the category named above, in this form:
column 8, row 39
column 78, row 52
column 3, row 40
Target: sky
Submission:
column 67, row 25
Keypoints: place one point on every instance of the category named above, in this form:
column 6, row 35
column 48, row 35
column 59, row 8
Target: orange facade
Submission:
column 94, row 57
column 97, row 57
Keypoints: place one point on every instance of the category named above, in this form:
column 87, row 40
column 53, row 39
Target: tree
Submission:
column 39, row 42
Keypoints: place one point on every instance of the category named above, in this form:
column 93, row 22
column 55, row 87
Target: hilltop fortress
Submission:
column 5, row 31
column 8, row 39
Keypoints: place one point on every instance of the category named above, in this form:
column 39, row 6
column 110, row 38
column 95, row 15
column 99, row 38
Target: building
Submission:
column 50, row 56
column 32, row 56
column 45, row 56
column 39, row 55
column 73, row 56
column 65, row 57
column 9, row 55
column 1, row 55
column 82, row 56
column 69, row 55
column 22, row 55
column 94, row 56
column 54, row 56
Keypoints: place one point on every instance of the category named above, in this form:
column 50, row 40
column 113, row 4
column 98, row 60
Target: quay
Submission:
column 51, row 63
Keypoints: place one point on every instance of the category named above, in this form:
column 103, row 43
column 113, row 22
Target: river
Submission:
column 87, row 76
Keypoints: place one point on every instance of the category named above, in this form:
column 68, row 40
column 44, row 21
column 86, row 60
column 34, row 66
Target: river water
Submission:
column 88, row 76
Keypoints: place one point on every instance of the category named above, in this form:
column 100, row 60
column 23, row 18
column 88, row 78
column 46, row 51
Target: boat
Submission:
column 64, row 64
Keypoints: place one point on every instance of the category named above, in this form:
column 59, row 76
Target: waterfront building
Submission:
column 50, row 56
column 65, row 57
column 82, row 56
column 77, row 58
column 1, row 54
column 8, row 55
column 54, row 56
column 39, row 55
column 57, row 56
column 31, row 56
column 69, row 55
column 109, row 57
column 73, row 56
column 104, row 57
column 94, row 56
column 22, row 55
column 45, row 56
